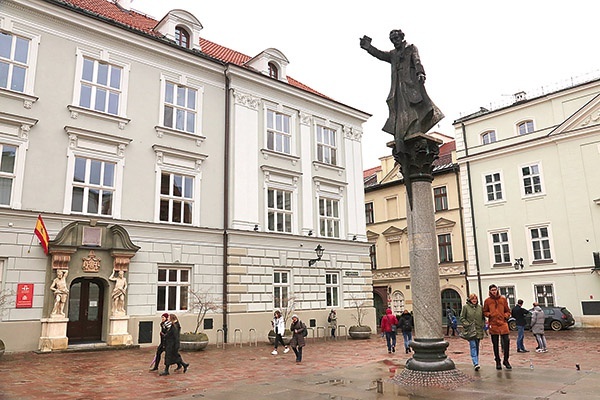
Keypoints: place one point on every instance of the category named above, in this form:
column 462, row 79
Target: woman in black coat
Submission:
column 172, row 355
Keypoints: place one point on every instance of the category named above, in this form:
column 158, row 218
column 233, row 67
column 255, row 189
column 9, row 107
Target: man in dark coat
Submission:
column 410, row 108
column 172, row 344
column 519, row 313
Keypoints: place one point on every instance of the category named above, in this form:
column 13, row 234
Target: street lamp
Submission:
column 319, row 250
column 518, row 263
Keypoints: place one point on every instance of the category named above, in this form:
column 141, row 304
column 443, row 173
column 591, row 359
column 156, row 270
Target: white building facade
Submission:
column 531, row 198
column 184, row 164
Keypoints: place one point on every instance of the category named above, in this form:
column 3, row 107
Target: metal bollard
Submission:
column 251, row 336
column 235, row 337
column 221, row 334
column 379, row 386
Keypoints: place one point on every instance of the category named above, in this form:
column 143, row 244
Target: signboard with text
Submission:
column 24, row 295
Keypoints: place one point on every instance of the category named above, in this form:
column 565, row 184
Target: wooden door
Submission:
column 86, row 301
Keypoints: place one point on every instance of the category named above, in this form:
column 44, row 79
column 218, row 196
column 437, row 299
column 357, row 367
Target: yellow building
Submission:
column 385, row 212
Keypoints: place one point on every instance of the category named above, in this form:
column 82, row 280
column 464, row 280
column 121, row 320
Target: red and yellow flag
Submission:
column 41, row 233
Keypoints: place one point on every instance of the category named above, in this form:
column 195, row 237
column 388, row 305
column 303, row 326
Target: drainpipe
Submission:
column 472, row 214
column 226, row 203
column 462, row 229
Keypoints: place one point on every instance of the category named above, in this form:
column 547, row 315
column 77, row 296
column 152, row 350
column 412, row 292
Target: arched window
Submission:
column 182, row 37
column 488, row 137
column 397, row 302
column 525, row 127
column 451, row 299
column 273, row 71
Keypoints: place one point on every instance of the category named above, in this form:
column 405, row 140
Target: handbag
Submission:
column 468, row 333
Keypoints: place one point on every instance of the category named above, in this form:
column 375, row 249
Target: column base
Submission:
column 54, row 334
column 429, row 355
column 118, row 333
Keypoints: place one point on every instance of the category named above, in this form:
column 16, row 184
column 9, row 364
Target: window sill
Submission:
column 268, row 153
column 161, row 131
column 75, row 111
column 538, row 262
column 318, row 164
column 501, row 265
column 27, row 99
column 495, row 203
column 533, row 196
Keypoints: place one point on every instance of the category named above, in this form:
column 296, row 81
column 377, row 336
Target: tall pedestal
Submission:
column 54, row 334
column 118, row 334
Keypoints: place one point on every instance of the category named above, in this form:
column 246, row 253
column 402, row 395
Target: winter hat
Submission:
column 165, row 315
column 295, row 316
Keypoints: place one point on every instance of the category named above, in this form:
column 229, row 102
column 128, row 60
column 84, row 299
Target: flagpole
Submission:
column 30, row 244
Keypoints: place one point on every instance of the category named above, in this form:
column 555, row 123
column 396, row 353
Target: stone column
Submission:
column 429, row 347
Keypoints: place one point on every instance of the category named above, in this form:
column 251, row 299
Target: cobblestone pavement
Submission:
column 340, row 369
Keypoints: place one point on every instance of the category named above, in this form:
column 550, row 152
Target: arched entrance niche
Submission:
column 380, row 305
column 86, row 258
column 451, row 298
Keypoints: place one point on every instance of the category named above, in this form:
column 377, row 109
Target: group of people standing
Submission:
column 496, row 311
column 170, row 331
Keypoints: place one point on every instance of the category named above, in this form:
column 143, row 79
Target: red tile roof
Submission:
column 146, row 24
column 371, row 171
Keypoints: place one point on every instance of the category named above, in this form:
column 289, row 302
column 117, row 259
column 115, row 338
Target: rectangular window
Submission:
column 370, row 218
column 281, row 289
column 279, row 136
column 532, row 179
column 14, row 59
column 326, row 145
column 501, row 247
column 332, row 289
column 179, row 111
column 100, row 86
column 509, row 293
column 93, row 187
column 440, row 196
column 173, row 289
column 544, row 295
column 540, row 243
column 373, row 256
column 176, row 198
column 279, row 210
column 329, row 218
column 445, row 248
column 395, row 254
column 7, row 173
column 493, row 186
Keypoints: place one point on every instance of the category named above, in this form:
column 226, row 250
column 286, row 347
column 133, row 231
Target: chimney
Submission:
column 124, row 4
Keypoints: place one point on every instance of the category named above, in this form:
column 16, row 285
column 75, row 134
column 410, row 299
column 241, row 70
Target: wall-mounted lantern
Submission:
column 319, row 250
column 518, row 263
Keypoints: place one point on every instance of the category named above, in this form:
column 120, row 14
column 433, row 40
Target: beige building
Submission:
column 166, row 161
column 385, row 213
column 531, row 196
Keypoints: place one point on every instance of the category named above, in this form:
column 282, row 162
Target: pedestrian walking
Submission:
column 172, row 343
column 406, row 323
column 537, row 327
column 451, row 321
column 332, row 321
column 278, row 324
column 473, row 322
column 298, row 334
column 496, row 310
column 519, row 313
column 389, row 322
column 164, row 326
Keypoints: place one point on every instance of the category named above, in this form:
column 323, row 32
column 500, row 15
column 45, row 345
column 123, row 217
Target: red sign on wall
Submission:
column 24, row 295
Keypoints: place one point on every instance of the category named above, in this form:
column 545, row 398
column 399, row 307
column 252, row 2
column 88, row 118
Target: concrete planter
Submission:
column 193, row 341
column 359, row 332
column 2, row 348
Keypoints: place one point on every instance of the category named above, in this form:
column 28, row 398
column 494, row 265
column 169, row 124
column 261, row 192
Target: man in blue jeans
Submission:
column 519, row 313
column 389, row 322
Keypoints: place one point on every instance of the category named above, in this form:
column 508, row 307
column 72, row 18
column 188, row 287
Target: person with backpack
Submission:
column 332, row 320
column 450, row 318
column 389, row 322
column 299, row 332
column 406, row 323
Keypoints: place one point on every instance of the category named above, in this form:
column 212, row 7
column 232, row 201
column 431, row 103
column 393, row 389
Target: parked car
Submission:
column 557, row 318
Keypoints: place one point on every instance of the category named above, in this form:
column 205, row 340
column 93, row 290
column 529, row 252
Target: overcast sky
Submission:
column 475, row 53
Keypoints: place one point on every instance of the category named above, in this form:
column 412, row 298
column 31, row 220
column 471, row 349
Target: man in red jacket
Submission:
column 496, row 310
column 389, row 322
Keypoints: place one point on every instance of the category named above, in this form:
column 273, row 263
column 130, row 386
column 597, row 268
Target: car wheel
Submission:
column 512, row 325
column 556, row 325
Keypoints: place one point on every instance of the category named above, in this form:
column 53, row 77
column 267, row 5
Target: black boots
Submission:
column 165, row 372
column 507, row 365
column 185, row 367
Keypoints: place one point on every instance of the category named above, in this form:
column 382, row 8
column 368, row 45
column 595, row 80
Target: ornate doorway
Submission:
column 451, row 299
column 86, row 308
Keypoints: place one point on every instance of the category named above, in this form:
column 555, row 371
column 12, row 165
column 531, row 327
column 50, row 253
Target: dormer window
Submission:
column 273, row 71
column 182, row 37
column 525, row 127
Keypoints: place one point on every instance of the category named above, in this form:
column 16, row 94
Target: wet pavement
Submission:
column 340, row 369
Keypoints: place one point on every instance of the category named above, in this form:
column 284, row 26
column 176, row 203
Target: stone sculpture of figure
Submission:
column 59, row 287
column 118, row 294
column 410, row 108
